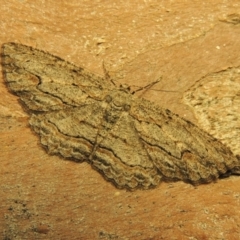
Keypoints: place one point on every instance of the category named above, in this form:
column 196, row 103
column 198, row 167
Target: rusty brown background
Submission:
column 139, row 41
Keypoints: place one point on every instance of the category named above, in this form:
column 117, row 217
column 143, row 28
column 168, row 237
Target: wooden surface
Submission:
column 45, row 197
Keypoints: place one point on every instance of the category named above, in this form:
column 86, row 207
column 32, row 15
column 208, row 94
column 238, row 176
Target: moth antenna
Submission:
column 147, row 86
column 107, row 75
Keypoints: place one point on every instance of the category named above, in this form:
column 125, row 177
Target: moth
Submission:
column 131, row 141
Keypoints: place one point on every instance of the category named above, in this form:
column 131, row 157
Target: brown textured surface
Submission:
column 215, row 99
column 43, row 197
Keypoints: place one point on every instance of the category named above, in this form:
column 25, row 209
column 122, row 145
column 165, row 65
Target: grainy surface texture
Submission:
column 215, row 100
column 131, row 141
column 43, row 197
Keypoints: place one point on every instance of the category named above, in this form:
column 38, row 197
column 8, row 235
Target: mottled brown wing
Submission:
column 131, row 141
column 178, row 148
column 45, row 82
column 122, row 158
column 70, row 132
column 68, row 114
column 81, row 133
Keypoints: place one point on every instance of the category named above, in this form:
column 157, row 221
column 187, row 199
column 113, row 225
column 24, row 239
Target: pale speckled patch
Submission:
column 215, row 100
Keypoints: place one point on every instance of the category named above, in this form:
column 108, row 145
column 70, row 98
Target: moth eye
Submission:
column 126, row 107
column 108, row 99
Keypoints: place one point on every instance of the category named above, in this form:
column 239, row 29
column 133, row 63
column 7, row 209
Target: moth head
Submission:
column 125, row 88
column 119, row 99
